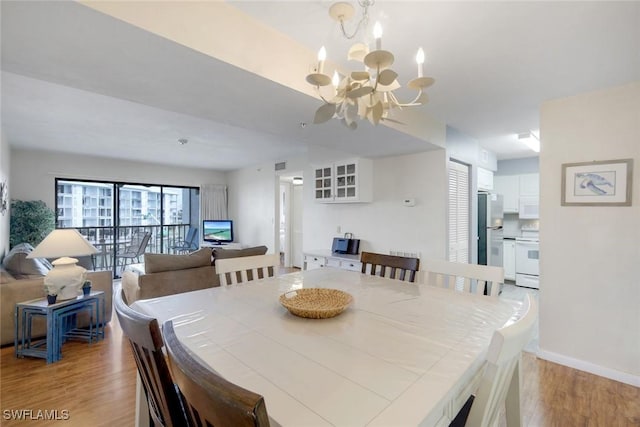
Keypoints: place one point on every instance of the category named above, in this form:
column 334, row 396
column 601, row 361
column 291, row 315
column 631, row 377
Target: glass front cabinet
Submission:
column 324, row 183
column 344, row 181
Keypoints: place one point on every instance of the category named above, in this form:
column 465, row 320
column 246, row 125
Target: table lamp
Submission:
column 66, row 278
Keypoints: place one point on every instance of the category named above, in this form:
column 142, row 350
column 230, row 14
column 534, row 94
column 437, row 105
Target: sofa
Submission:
column 22, row 279
column 167, row 274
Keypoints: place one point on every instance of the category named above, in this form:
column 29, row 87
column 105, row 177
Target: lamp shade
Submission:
column 62, row 243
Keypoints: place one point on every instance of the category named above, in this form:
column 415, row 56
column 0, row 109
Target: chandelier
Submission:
column 369, row 92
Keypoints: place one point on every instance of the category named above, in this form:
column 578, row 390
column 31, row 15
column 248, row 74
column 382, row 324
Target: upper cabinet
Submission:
column 485, row 179
column 509, row 187
column 323, row 184
column 344, row 182
column 521, row 193
column 530, row 184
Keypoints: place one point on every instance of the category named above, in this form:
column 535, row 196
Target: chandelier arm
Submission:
column 412, row 103
column 409, row 104
column 320, row 95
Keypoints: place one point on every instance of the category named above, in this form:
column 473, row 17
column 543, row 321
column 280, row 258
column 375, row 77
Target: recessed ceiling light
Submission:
column 183, row 141
column 303, row 125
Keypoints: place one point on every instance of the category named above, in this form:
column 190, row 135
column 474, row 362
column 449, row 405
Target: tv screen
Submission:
column 217, row 230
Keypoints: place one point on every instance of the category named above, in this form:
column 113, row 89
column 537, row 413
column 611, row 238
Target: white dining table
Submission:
column 401, row 354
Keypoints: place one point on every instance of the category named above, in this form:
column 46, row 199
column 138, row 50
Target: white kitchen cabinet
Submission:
column 323, row 183
column 344, row 182
column 529, row 185
column 509, row 259
column 509, row 187
column 521, row 193
column 485, row 179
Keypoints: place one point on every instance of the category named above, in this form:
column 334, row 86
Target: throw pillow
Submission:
column 220, row 253
column 156, row 263
column 20, row 267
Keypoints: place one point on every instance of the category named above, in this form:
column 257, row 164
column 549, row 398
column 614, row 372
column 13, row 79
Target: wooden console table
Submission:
column 325, row 258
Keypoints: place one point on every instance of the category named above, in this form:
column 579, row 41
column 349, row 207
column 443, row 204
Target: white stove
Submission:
column 527, row 259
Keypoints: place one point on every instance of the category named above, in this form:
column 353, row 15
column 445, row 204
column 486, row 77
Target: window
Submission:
column 112, row 212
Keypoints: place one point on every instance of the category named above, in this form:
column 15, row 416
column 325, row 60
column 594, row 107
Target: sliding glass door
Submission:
column 114, row 216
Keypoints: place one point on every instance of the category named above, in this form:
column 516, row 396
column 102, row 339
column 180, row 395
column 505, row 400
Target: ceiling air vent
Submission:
column 281, row 166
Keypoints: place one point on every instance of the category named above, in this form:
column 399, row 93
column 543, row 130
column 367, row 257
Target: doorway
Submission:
column 290, row 220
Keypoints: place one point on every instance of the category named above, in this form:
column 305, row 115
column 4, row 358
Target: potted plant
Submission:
column 52, row 293
column 86, row 287
column 31, row 221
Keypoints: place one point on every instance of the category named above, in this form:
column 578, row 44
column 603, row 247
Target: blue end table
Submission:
column 61, row 320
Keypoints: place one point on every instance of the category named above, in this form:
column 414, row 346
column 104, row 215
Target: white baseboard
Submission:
column 592, row 368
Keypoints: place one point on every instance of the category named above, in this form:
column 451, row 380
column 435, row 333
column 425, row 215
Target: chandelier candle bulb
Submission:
column 322, row 55
column 420, row 61
column 336, row 79
column 377, row 34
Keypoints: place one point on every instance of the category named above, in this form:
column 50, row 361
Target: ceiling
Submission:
column 77, row 80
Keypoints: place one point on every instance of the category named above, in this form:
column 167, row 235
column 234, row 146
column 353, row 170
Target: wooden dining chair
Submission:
column 500, row 383
column 210, row 399
column 394, row 267
column 481, row 279
column 143, row 332
column 245, row 269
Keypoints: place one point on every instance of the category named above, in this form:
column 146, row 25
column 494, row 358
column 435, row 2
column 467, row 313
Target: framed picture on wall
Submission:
column 602, row 183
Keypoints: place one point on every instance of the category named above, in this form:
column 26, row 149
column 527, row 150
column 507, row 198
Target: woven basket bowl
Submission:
column 316, row 303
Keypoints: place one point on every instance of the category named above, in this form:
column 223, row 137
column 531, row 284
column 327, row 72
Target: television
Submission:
column 217, row 231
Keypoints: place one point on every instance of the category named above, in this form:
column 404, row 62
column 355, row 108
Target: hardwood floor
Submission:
column 96, row 385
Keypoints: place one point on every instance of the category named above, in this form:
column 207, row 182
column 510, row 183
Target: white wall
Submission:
column 5, row 162
column 385, row 224
column 253, row 193
column 33, row 173
column 518, row 166
column 590, row 256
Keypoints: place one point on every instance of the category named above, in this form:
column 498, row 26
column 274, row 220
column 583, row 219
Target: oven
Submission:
column 527, row 263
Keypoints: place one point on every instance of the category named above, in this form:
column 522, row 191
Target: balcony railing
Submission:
column 111, row 241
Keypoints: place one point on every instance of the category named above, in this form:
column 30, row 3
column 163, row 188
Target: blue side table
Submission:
column 61, row 320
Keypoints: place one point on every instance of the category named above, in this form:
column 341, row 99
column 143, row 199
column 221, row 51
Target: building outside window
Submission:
column 112, row 212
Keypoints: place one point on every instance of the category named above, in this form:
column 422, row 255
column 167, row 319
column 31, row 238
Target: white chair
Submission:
column 501, row 379
column 446, row 274
column 259, row 266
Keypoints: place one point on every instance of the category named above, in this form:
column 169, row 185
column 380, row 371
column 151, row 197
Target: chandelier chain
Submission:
column 364, row 21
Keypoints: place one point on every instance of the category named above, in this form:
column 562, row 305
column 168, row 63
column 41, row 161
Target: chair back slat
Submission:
column 461, row 276
column 210, row 399
column 502, row 359
column 247, row 268
column 143, row 333
column 399, row 268
column 466, row 284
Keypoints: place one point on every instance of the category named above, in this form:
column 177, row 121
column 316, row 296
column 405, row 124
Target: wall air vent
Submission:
column 281, row 166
